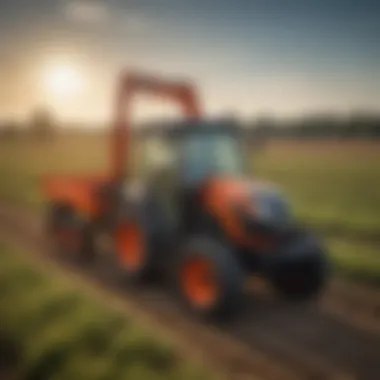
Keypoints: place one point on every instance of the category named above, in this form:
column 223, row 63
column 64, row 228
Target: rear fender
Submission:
column 78, row 193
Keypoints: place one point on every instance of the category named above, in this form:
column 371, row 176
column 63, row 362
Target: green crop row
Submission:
column 62, row 333
column 356, row 261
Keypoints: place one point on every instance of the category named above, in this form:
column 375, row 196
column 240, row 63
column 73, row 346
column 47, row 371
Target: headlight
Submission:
column 272, row 208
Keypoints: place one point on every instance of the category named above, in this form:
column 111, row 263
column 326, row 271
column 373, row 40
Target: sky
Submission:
column 247, row 57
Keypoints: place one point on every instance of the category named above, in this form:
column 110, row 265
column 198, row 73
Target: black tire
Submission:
column 300, row 282
column 144, row 220
column 228, row 274
column 63, row 218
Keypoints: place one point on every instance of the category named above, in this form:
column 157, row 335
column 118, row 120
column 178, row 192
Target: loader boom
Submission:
column 129, row 85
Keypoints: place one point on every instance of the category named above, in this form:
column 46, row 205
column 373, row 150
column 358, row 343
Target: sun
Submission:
column 63, row 80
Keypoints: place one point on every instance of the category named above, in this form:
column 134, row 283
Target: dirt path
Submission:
column 272, row 340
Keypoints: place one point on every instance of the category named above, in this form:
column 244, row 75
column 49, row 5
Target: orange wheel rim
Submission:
column 130, row 246
column 199, row 282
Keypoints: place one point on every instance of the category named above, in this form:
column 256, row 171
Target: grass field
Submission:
column 58, row 332
column 22, row 163
column 333, row 186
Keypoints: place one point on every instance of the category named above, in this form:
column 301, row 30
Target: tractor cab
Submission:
column 210, row 150
column 175, row 162
column 192, row 152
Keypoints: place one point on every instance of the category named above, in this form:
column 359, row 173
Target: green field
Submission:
column 59, row 332
column 22, row 163
column 333, row 186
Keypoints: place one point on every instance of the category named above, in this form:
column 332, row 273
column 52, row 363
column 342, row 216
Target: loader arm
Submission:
column 129, row 85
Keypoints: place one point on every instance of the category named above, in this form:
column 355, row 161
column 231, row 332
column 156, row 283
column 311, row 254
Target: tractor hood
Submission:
column 238, row 193
column 247, row 207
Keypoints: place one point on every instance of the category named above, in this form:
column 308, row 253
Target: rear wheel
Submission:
column 210, row 278
column 67, row 233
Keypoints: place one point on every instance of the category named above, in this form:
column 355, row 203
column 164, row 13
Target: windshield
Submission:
column 155, row 154
column 212, row 153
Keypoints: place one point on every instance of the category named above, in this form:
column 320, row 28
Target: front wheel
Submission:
column 300, row 272
column 301, row 280
column 210, row 278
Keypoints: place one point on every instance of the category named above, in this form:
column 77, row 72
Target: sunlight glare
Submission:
column 63, row 80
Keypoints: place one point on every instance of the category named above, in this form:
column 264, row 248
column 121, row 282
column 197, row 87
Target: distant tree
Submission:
column 9, row 130
column 317, row 126
column 263, row 128
column 42, row 125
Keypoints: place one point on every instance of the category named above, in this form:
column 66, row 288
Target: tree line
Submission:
column 358, row 125
column 42, row 125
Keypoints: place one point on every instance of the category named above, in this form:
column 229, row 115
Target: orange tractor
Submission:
column 191, row 215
